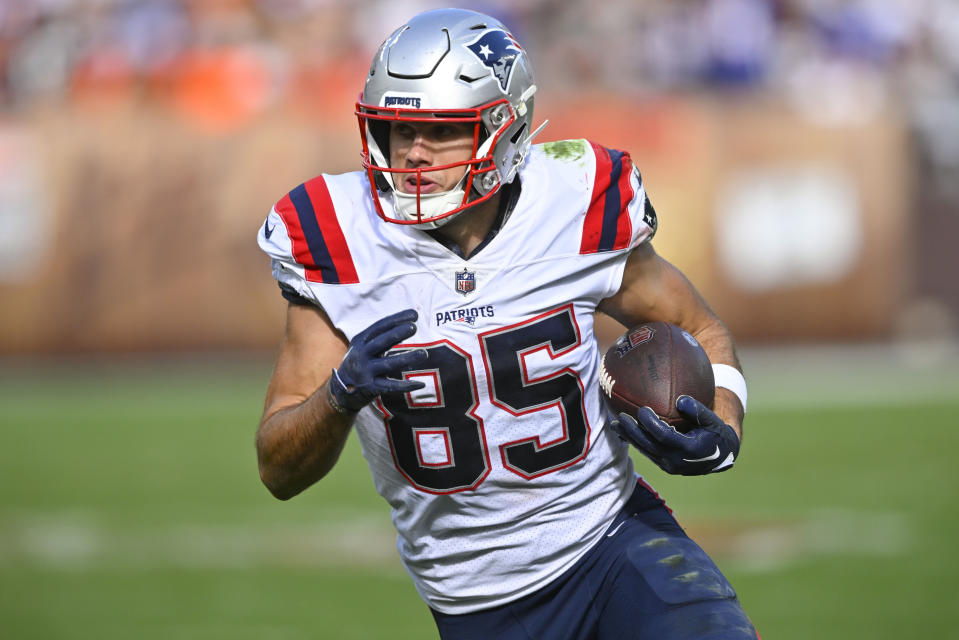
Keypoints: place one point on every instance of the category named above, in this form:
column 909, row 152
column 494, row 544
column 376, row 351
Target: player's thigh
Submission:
column 497, row 623
column 666, row 587
column 704, row 620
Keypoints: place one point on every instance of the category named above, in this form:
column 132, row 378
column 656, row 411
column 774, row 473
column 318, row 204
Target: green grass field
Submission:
column 130, row 507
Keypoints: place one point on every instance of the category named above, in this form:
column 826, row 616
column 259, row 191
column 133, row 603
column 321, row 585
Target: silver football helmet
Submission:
column 447, row 65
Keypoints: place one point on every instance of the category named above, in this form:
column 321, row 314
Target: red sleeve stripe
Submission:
column 608, row 226
column 332, row 232
column 318, row 241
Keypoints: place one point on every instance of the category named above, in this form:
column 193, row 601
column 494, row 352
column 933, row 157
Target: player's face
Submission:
column 415, row 145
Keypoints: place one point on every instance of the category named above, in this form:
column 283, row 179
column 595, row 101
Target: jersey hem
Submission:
column 631, row 480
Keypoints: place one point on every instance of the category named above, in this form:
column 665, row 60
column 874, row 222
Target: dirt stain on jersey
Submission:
column 569, row 150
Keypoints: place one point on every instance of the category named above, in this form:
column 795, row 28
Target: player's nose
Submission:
column 419, row 152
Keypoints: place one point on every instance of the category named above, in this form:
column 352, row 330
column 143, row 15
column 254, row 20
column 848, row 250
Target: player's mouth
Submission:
column 425, row 185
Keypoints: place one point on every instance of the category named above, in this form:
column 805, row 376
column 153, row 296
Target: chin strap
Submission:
column 430, row 204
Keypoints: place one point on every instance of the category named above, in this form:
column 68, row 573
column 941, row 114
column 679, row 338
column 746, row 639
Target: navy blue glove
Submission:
column 709, row 447
column 365, row 371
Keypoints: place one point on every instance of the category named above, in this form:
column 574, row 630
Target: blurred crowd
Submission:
column 223, row 62
column 61, row 49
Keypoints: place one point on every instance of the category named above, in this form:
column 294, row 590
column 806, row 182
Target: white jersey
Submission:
column 499, row 472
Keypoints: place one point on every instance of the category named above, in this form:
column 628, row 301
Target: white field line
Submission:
column 768, row 548
column 71, row 541
column 850, row 375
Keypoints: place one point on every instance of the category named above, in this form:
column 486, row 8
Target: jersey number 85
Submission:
column 451, row 412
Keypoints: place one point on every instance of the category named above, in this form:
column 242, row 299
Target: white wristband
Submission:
column 730, row 378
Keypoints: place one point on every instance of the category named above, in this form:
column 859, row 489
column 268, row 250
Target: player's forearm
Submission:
column 718, row 344
column 297, row 445
column 717, row 341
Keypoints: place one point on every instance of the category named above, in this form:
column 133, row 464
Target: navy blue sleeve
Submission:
column 293, row 297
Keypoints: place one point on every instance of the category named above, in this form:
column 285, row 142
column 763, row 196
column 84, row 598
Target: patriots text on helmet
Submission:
column 402, row 101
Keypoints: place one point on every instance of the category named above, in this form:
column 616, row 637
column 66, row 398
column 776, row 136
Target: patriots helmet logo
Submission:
column 497, row 50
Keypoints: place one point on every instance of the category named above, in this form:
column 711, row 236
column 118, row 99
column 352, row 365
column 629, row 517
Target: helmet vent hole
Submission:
column 476, row 27
column 519, row 134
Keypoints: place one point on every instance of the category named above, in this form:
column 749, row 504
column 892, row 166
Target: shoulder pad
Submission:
column 608, row 226
column 317, row 239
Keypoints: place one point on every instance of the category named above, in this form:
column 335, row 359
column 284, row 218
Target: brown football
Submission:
column 652, row 365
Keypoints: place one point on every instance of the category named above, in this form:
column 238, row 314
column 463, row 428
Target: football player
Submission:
column 441, row 304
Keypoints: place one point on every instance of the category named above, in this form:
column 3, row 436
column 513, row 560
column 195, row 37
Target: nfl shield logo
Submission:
column 465, row 281
column 635, row 338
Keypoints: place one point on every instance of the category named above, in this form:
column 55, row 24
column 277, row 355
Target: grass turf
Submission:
column 130, row 507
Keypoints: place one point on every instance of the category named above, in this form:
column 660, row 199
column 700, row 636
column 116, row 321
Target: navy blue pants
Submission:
column 644, row 580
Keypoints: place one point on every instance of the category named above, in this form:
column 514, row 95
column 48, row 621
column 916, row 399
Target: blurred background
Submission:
column 803, row 156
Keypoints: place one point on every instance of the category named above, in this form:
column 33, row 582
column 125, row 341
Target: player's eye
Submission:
column 403, row 131
column 449, row 131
